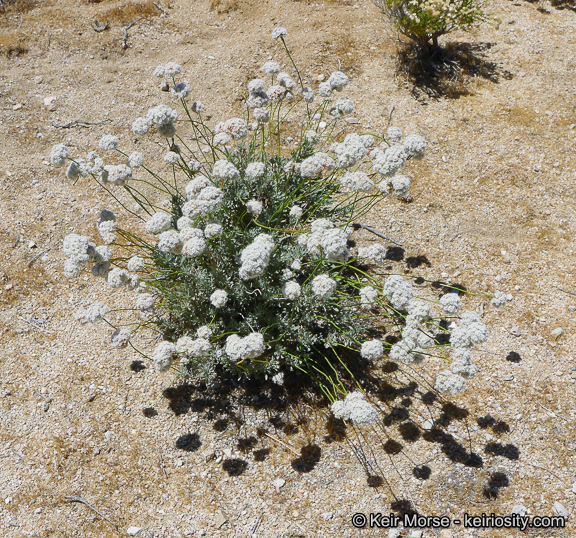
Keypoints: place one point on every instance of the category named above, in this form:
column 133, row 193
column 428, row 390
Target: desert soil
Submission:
column 493, row 210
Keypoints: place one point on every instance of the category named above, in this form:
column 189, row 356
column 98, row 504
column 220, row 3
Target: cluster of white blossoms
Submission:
column 256, row 256
column 356, row 409
column 470, row 332
column 193, row 347
column 323, row 286
column 94, row 313
column 80, row 251
column 368, row 295
column 372, row 350
column 163, row 355
column 376, row 252
column 326, row 240
column 291, row 290
column 162, row 117
column 398, row 291
column 247, row 347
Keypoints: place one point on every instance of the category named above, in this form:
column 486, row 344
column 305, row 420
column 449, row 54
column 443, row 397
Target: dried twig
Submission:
column 282, row 443
column 99, row 27
column 256, row 525
column 125, row 34
column 390, row 115
column 75, row 498
column 565, row 291
column 79, row 123
column 548, row 470
column 550, row 411
column 37, row 256
column 32, row 324
column 357, row 225
column 160, row 8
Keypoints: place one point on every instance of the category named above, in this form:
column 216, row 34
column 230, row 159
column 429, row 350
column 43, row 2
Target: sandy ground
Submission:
column 493, row 210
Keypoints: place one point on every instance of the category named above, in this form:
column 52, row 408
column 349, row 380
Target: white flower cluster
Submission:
column 219, row 298
column 372, row 350
column 349, row 152
column 316, row 164
column 207, row 199
column 471, row 331
column 162, row 117
column 356, row 409
column 357, row 181
column 398, row 291
column 193, row 347
column 256, row 256
column 247, row 347
column 323, row 286
column 108, row 142
column 94, row 313
column 171, row 69
column 376, row 252
column 451, row 303
column 163, row 355
column 234, row 127
column 291, row 290
column 368, row 295
column 120, row 338
column 327, row 240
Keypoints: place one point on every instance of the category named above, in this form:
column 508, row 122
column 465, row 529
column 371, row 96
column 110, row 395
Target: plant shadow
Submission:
column 446, row 72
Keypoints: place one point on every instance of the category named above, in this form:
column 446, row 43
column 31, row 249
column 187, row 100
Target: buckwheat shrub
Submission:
column 241, row 260
column 424, row 21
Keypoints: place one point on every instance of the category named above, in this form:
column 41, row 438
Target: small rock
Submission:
column 549, row 113
column 574, row 487
column 31, row 244
column 445, row 275
column 321, row 78
column 572, row 308
column 353, row 121
column 520, row 510
column 38, row 511
column 327, row 515
column 573, row 375
column 164, row 86
column 108, row 436
column 515, row 331
column 49, row 101
column 133, row 531
column 278, row 483
column 227, row 452
column 428, row 424
column 39, row 79
column 559, row 510
column 18, row 106
column 220, row 519
column 508, row 377
column 572, row 125
column 557, row 333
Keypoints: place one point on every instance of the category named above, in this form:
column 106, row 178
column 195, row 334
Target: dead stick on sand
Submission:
column 75, row 498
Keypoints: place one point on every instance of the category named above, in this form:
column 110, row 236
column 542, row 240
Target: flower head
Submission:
column 271, row 68
column 323, row 286
column 356, row 409
column 59, row 154
column 279, row 32
column 219, row 298
column 108, row 142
